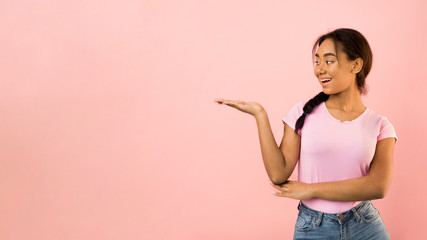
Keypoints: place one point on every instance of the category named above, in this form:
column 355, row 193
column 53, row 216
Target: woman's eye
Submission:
column 318, row 63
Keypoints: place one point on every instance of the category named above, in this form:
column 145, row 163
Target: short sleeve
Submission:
column 293, row 115
column 386, row 130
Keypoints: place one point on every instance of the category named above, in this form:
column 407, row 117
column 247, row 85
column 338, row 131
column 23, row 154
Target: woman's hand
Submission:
column 252, row 108
column 295, row 190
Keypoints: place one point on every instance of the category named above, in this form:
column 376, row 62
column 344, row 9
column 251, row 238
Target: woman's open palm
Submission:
column 252, row 108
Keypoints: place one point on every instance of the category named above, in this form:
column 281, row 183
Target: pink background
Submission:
column 109, row 130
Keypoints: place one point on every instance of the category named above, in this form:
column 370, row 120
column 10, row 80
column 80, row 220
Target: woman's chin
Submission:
column 327, row 91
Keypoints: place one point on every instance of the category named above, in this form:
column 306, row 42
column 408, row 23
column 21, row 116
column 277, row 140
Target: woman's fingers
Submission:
column 280, row 194
column 219, row 100
column 232, row 103
column 223, row 101
column 227, row 102
column 283, row 190
column 295, row 190
column 247, row 107
column 274, row 185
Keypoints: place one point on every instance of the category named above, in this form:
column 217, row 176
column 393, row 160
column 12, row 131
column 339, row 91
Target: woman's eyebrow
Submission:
column 326, row 54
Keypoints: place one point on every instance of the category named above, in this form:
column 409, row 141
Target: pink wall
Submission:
column 109, row 131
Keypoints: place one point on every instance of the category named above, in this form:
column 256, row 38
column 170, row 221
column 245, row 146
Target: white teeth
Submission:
column 325, row 80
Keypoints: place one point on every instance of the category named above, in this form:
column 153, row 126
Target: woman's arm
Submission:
column 373, row 186
column 278, row 162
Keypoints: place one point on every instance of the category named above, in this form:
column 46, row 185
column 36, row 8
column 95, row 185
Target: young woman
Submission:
column 344, row 149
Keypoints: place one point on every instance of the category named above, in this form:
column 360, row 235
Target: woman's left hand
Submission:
column 295, row 190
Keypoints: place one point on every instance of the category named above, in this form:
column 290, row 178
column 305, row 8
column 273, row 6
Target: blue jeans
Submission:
column 361, row 222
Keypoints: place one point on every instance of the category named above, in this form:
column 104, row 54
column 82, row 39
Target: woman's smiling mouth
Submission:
column 325, row 80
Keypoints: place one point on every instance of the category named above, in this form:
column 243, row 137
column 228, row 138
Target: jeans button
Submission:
column 340, row 216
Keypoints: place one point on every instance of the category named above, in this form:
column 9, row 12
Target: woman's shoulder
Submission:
column 299, row 105
column 382, row 124
column 293, row 114
column 374, row 116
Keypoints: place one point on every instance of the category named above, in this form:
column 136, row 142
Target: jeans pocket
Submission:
column 370, row 214
column 304, row 222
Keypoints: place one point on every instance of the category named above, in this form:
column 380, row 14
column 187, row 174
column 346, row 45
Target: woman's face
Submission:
column 336, row 75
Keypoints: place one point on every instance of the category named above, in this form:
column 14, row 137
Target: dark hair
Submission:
column 355, row 45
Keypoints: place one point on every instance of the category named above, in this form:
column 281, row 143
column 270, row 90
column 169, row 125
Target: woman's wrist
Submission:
column 260, row 113
column 313, row 190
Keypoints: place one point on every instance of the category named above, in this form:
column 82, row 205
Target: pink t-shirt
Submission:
column 332, row 150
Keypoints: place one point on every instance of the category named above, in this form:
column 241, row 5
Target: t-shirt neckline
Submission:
column 345, row 122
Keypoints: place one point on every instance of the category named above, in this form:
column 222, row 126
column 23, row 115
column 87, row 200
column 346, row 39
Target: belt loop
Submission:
column 356, row 213
column 319, row 220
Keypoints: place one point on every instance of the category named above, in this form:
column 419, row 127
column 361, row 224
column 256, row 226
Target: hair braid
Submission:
column 309, row 107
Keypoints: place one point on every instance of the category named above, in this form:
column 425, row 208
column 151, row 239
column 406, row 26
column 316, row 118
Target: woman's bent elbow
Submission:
column 278, row 180
column 381, row 192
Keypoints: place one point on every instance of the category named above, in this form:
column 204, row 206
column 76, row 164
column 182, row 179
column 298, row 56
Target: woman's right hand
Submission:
column 252, row 108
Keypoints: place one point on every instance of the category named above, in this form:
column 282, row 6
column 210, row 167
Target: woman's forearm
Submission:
column 274, row 161
column 273, row 158
column 356, row 189
column 373, row 186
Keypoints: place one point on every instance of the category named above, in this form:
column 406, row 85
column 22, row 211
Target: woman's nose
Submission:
column 321, row 68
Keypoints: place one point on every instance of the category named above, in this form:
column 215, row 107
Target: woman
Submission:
column 344, row 149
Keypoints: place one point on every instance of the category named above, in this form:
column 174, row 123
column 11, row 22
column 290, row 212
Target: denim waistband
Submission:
column 354, row 212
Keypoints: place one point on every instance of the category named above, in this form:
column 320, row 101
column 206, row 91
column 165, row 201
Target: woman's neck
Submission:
column 348, row 101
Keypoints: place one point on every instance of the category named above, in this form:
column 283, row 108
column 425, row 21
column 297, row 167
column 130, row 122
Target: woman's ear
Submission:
column 357, row 65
